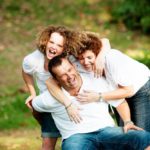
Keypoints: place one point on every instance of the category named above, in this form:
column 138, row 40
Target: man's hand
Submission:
column 73, row 112
column 130, row 126
column 28, row 102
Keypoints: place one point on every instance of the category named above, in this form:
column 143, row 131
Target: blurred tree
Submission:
column 135, row 14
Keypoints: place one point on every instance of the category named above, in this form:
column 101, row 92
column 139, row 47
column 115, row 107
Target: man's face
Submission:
column 67, row 75
column 55, row 45
column 87, row 59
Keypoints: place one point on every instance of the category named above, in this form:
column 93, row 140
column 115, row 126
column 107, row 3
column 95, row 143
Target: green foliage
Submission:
column 14, row 112
column 145, row 59
column 135, row 14
column 21, row 20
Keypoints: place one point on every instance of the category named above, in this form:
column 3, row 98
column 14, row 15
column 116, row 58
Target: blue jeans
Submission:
column 109, row 138
column 139, row 105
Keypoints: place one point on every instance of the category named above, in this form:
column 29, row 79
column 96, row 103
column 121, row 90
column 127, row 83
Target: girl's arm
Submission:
column 55, row 90
column 99, row 63
column 30, row 85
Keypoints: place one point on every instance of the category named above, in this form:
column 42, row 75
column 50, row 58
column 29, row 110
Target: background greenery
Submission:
column 21, row 20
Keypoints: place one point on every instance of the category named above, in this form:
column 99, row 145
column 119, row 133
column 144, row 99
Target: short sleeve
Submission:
column 116, row 103
column 32, row 61
column 118, row 68
column 28, row 65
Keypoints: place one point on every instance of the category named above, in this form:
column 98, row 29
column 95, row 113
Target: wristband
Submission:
column 100, row 97
column 128, row 122
column 68, row 105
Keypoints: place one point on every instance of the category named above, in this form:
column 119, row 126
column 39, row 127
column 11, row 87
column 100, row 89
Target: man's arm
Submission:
column 124, row 112
column 44, row 102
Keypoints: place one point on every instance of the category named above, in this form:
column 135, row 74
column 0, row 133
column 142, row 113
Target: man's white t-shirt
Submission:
column 125, row 71
column 95, row 115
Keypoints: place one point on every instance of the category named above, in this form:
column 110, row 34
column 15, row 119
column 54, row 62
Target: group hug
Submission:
column 80, row 78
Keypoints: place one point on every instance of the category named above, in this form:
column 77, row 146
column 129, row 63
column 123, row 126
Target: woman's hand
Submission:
column 28, row 102
column 88, row 96
column 100, row 59
column 98, row 66
column 73, row 112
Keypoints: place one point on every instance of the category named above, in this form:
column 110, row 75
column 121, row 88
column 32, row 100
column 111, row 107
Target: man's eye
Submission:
column 51, row 42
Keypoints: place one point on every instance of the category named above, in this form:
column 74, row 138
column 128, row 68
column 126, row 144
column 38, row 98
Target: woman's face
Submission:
column 55, row 45
column 87, row 59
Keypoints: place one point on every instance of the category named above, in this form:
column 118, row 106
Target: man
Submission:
column 96, row 130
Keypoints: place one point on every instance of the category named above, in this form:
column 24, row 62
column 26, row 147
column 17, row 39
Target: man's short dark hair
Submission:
column 56, row 61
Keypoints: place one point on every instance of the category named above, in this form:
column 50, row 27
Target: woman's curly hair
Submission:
column 92, row 43
column 73, row 39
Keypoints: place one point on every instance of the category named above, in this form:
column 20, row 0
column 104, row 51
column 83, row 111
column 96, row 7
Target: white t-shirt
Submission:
column 95, row 115
column 123, row 70
column 33, row 64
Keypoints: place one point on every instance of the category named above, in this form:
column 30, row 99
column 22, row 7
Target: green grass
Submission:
column 22, row 20
column 14, row 113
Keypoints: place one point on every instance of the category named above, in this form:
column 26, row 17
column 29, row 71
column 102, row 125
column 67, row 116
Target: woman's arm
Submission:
column 30, row 85
column 55, row 90
column 119, row 93
column 99, row 63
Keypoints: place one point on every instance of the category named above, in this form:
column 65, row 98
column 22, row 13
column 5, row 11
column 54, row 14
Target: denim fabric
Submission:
column 140, row 107
column 109, row 138
column 48, row 126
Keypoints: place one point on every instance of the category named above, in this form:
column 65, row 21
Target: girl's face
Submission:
column 87, row 59
column 55, row 45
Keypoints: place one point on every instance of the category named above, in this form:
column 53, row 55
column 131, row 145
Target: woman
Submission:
column 130, row 78
column 52, row 41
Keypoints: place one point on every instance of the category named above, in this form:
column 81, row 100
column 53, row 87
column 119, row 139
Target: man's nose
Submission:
column 69, row 76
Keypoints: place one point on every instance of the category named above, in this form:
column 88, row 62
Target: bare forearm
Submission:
column 56, row 91
column 124, row 111
column 119, row 93
column 29, row 82
column 105, row 48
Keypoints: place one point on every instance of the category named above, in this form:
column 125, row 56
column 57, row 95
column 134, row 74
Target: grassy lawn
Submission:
column 20, row 22
column 22, row 139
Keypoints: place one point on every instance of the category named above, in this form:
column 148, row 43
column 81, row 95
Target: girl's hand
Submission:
column 28, row 102
column 98, row 67
column 73, row 112
column 100, row 60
